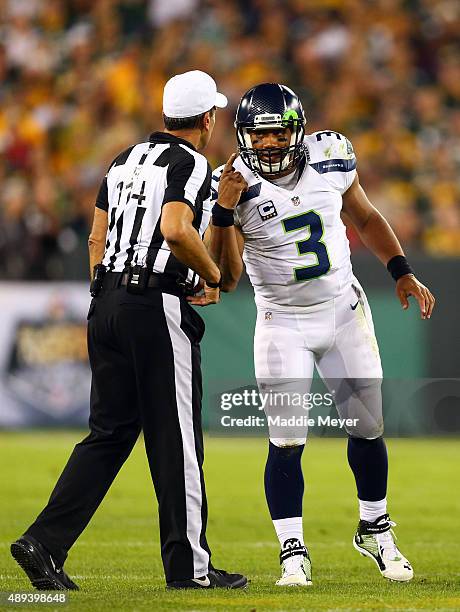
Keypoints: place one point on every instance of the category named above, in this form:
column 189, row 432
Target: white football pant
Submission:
column 338, row 338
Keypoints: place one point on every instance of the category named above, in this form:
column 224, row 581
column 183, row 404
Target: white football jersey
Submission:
column 296, row 251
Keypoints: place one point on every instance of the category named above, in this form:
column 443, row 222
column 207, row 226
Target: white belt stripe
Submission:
column 183, row 381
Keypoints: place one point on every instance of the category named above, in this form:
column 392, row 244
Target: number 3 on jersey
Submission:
column 312, row 244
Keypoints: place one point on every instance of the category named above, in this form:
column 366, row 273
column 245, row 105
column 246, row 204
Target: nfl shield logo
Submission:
column 295, row 200
column 268, row 316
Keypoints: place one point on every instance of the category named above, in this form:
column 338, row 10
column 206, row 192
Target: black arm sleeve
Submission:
column 185, row 177
column 102, row 200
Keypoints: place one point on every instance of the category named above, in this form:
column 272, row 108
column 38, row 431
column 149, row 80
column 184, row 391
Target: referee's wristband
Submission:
column 399, row 266
column 215, row 285
column 222, row 217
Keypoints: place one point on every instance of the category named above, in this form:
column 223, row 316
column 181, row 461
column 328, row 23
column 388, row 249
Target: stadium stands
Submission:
column 82, row 79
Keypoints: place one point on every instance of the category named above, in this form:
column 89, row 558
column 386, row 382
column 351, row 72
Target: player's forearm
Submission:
column 225, row 252
column 97, row 238
column 378, row 237
column 187, row 246
column 96, row 253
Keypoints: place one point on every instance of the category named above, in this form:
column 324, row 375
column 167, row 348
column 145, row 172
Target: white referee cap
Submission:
column 191, row 93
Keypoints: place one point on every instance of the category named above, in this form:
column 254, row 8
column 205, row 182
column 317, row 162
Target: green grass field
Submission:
column 117, row 564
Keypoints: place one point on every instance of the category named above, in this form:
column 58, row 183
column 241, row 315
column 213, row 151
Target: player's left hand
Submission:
column 408, row 285
column 207, row 297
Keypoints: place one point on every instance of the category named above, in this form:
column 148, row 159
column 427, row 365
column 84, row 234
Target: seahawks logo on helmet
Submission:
column 270, row 106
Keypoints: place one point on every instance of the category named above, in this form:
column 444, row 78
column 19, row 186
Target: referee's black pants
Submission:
column 145, row 360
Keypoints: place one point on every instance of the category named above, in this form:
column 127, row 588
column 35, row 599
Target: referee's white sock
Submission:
column 287, row 528
column 371, row 510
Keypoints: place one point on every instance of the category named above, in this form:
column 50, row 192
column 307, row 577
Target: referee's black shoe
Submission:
column 214, row 579
column 40, row 567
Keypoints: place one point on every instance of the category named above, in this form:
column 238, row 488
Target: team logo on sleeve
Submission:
column 349, row 147
column 267, row 210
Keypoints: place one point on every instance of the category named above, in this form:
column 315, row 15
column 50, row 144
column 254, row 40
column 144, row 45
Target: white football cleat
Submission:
column 295, row 564
column 376, row 540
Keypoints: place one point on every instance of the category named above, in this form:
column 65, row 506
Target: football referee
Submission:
column 146, row 255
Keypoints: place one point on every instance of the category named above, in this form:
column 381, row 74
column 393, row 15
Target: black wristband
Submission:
column 399, row 266
column 222, row 217
column 215, row 285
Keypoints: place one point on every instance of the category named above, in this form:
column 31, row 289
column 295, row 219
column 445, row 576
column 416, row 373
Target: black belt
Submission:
column 112, row 280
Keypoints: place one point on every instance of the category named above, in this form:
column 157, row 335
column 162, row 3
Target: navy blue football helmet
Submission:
column 270, row 106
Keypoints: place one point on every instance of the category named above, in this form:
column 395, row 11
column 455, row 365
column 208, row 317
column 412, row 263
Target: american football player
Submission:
column 280, row 207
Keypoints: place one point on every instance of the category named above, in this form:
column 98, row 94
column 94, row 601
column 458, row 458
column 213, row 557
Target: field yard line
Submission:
column 93, row 577
column 261, row 544
column 8, row 577
column 112, row 576
column 149, row 543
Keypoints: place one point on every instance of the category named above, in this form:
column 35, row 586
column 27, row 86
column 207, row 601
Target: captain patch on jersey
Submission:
column 267, row 210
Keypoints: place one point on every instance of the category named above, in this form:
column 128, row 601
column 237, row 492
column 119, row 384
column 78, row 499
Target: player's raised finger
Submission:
column 229, row 165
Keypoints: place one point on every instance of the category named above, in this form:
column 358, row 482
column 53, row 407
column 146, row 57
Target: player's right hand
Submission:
column 209, row 296
column 231, row 185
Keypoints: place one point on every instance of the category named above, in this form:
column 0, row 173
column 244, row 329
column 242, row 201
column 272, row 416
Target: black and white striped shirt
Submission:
column 139, row 182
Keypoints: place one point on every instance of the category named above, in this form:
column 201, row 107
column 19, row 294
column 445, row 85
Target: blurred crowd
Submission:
column 82, row 79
